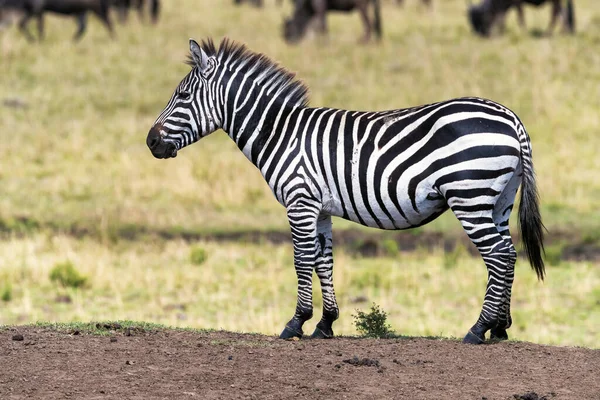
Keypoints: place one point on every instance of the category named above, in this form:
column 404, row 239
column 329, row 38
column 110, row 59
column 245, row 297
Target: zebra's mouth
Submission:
column 164, row 150
column 159, row 147
column 170, row 151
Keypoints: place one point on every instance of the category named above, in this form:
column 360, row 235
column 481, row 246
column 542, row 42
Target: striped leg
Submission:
column 324, row 269
column 504, row 318
column 501, row 215
column 483, row 233
column 303, row 222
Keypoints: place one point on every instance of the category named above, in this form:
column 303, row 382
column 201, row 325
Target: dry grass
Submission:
column 77, row 154
column 252, row 288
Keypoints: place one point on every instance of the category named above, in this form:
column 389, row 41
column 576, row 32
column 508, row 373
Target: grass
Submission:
column 76, row 155
column 74, row 161
column 103, row 328
column 252, row 288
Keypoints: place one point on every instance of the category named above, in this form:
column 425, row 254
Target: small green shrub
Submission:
column 198, row 256
column 373, row 323
column 67, row 275
column 6, row 292
column 390, row 247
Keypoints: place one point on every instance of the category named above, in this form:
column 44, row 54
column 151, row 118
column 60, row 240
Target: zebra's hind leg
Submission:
column 504, row 318
column 478, row 223
column 484, row 234
column 324, row 269
column 302, row 217
column 501, row 215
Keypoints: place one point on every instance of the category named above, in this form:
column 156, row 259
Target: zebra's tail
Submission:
column 530, row 219
column 570, row 17
column 377, row 18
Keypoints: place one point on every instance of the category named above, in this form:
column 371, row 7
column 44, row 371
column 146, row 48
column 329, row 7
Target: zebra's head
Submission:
column 191, row 111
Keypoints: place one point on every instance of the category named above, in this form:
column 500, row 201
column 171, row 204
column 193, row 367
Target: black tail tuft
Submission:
column 530, row 221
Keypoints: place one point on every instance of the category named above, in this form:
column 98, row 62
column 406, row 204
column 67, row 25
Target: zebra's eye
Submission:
column 184, row 95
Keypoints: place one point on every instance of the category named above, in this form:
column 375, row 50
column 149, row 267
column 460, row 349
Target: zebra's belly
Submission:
column 386, row 212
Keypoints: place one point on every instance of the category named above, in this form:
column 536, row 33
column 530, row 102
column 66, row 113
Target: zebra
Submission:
column 395, row 169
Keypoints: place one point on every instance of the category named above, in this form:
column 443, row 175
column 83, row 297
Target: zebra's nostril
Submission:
column 154, row 142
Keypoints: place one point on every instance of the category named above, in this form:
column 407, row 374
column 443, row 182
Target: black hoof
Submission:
column 472, row 338
column 319, row 334
column 498, row 334
column 289, row 333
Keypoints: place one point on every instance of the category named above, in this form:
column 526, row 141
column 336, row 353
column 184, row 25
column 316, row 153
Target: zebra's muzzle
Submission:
column 158, row 146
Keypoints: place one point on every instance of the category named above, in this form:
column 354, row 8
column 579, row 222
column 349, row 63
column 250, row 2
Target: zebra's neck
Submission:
column 255, row 96
column 253, row 117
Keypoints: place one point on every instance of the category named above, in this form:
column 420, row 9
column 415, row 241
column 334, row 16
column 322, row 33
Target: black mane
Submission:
column 282, row 82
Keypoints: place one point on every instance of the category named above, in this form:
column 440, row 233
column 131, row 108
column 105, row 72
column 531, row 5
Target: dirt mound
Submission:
column 144, row 363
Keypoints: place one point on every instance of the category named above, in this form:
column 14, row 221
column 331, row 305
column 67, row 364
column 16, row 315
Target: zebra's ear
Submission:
column 198, row 55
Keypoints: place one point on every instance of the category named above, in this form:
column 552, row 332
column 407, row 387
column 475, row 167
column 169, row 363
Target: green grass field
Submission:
column 74, row 160
column 251, row 288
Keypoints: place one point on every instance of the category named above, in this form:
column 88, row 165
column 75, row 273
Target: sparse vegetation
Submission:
column 67, row 275
column 390, row 247
column 240, row 288
column 6, row 292
column 198, row 255
column 373, row 323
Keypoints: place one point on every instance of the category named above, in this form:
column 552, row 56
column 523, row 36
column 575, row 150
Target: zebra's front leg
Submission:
column 303, row 223
column 324, row 269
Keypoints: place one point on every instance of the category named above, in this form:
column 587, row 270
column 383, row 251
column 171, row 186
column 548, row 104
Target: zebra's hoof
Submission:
column 498, row 334
column 290, row 333
column 319, row 334
column 471, row 338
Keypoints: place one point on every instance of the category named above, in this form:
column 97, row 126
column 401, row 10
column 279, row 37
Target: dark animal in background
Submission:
column 307, row 12
column 123, row 7
column 77, row 8
column 491, row 13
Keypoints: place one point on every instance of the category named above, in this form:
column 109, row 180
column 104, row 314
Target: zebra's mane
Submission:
column 260, row 66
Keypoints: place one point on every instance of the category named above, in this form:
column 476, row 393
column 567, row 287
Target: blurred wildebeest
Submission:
column 490, row 13
column 309, row 11
column 123, row 7
column 77, row 8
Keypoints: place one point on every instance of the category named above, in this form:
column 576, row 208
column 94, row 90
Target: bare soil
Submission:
column 133, row 363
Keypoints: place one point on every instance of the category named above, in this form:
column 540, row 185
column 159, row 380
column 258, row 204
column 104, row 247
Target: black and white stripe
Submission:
column 394, row 169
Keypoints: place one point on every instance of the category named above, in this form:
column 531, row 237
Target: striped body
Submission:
column 394, row 169
column 391, row 169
